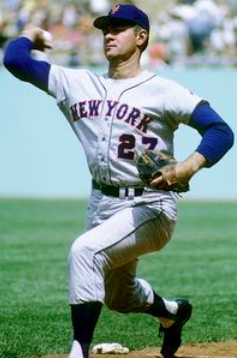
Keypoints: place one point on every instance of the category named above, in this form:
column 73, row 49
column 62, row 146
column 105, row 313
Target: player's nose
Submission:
column 108, row 37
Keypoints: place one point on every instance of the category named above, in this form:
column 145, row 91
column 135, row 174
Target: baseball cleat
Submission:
column 172, row 335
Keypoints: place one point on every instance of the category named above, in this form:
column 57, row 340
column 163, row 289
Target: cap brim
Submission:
column 103, row 22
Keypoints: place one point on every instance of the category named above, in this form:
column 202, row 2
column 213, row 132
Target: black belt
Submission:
column 119, row 192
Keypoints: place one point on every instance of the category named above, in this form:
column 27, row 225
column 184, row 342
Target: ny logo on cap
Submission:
column 115, row 8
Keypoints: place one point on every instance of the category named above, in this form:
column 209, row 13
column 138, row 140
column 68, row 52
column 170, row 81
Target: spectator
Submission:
column 175, row 32
column 207, row 17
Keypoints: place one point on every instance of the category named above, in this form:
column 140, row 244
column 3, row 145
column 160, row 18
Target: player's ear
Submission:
column 142, row 38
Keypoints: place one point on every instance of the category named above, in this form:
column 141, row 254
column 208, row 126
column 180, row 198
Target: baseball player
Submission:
column 116, row 116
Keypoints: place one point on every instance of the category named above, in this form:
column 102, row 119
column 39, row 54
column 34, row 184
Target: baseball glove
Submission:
column 150, row 165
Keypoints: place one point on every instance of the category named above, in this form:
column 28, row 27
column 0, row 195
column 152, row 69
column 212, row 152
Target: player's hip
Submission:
column 101, row 207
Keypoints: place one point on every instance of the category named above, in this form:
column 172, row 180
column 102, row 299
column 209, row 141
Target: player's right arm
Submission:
column 21, row 64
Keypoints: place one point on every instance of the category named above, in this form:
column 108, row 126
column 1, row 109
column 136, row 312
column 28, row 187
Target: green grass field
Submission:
column 35, row 237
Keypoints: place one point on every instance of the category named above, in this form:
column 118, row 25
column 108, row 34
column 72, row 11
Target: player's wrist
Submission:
column 188, row 168
column 31, row 33
column 198, row 161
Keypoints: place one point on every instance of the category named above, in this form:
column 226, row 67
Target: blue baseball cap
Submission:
column 123, row 14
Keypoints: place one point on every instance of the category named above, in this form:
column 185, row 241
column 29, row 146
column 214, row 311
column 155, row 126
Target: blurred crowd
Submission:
column 186, row 32
column 201, row 32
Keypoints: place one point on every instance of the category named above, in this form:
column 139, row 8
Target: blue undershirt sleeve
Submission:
column 217, row 136
column 21, row 64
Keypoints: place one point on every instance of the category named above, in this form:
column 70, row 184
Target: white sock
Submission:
column 171, row 306
column 76, row 351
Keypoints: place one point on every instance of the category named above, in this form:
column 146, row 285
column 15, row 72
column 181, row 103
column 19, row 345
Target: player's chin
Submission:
column 110, row 54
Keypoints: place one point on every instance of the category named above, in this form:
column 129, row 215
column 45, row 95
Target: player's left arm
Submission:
column 217, row 136
column 19, row 61
column 217, row 139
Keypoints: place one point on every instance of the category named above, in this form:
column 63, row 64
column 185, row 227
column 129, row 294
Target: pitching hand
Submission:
column 41, row 39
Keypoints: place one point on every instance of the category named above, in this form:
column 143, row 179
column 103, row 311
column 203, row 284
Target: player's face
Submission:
column 120, row 42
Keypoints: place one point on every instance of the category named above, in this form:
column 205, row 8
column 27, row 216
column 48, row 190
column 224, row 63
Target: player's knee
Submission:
column 82, row 254
column 78, row 251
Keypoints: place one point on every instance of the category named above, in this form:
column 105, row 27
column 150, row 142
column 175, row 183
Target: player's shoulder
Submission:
column 72, row 71
column 165, row 81
column 170, row 86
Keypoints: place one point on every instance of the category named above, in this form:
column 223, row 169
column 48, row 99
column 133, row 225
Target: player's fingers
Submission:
column 158, row 182
column 48, row 45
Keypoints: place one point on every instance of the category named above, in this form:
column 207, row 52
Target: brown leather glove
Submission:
column 150, row 165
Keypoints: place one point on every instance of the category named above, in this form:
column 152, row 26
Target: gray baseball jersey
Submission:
column 115, row 120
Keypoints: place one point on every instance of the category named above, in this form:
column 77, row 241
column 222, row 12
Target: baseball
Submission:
column 47, row 36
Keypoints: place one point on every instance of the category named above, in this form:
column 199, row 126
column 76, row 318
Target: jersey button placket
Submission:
column 102, row 157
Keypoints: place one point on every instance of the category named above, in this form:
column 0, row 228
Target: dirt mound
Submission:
column 207, row 350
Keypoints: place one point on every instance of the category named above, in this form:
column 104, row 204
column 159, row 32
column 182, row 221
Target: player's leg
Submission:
column 128, row 234
column 102, row 249
column 126, row 293
column 84, row 318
